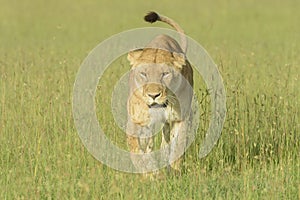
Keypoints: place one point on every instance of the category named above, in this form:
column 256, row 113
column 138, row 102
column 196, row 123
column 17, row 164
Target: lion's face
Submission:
column 156, row 75
column 156, row 82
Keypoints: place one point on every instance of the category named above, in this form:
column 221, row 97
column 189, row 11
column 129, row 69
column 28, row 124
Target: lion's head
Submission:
column 156, row 79
column 156, row 73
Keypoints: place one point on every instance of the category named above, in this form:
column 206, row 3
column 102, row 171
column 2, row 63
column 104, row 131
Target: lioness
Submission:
column 160, row 94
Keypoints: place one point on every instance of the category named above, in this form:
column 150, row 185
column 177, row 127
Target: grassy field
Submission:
column 256, row 45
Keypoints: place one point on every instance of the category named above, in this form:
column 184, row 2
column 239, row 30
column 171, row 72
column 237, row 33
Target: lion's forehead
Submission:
column 156, row 56
column 154, row 68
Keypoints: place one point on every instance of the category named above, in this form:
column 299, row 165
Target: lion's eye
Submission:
column 143, row 74
column 165, row 74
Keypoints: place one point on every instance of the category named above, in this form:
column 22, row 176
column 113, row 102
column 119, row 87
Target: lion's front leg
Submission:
column 165, row 135
column 140, row 142
column 139, row 139
column 178, row 143
column 146, row 142
column 132, row 137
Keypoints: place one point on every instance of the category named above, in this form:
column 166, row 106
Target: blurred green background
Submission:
column 256, row 46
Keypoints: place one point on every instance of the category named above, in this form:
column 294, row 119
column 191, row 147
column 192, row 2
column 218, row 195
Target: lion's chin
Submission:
column 156, row 105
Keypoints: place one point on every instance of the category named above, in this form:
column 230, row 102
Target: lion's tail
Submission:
column 153, row 17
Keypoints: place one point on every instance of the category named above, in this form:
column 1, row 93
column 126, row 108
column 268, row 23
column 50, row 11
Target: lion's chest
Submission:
column 163, row 115
column 157, row 115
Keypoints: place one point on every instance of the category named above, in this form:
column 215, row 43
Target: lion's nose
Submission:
column 154, row 96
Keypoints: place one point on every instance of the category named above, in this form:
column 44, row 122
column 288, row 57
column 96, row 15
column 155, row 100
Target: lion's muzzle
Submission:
column 155, row 95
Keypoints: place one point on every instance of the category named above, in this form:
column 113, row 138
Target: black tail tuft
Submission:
column 151, row 17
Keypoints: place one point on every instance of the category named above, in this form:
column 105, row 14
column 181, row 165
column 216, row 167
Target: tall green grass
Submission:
column 256, row 47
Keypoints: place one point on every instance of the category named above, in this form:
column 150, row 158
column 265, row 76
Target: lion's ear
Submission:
column 179, row 60
column 134, row 55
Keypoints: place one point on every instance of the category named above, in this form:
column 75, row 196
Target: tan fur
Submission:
column 148, row 78
column 138, row 109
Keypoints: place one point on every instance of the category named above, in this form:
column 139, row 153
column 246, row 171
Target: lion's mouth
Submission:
column 156, row 105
